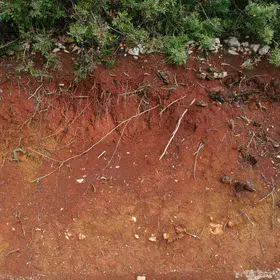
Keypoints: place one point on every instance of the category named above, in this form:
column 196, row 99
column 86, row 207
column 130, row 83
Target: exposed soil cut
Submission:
column 85, row 195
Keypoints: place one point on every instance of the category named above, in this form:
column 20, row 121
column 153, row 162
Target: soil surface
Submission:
column 85, row 195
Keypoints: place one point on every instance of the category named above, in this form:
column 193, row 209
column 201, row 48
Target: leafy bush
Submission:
column 175, row 49
column 261, row 21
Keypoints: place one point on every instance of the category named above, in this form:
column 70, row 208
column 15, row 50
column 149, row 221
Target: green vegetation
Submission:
column 98, row 27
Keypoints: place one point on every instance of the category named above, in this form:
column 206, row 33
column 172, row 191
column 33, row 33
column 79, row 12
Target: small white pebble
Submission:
column 153, row 238
column 133, row 219
column 81, row 236
column 80, row 180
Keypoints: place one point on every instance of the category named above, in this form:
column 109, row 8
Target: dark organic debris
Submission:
column 248, row 157
column 164, row 76
column 241, row 186
column 251, row 159
column 217, row 97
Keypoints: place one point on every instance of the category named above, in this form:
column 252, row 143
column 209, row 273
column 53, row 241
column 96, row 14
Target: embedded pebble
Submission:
column 153, row 238
column 230, row 224
column 81, row 236
column 141, row 278
column 166, row 236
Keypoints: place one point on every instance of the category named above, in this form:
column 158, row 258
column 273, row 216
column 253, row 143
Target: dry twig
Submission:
column 175, row 130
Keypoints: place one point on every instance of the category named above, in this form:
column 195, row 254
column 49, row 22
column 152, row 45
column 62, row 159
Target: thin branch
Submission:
column 37, row 180
column 6, row 45
column 172, row 104
column 209, row 19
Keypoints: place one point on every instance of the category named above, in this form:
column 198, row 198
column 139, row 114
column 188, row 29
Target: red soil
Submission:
column 58, row 228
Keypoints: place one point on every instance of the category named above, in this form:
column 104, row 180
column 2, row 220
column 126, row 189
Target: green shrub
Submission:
column 97, row 27
column 175, row 49
column 261, row 21
column 275, row 57
column 124, row 26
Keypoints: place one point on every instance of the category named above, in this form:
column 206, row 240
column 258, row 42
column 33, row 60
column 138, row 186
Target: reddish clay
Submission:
column 92, row 217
